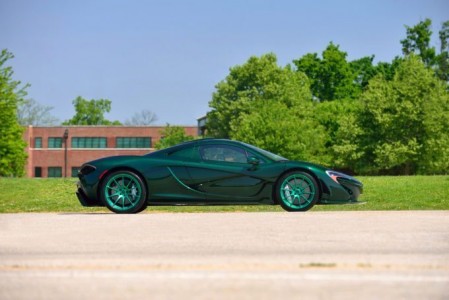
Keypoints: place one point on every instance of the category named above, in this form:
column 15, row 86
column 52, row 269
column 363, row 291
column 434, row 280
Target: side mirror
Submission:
column 253, row 160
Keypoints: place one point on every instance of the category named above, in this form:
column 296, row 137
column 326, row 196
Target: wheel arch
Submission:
column 318, row 181
column 121, row 168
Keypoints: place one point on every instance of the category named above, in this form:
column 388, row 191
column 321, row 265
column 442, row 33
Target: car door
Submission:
column 169, row 178
column 224, row 173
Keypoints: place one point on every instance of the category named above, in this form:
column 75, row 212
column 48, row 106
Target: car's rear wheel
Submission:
column 297, row 191
column 123, row 192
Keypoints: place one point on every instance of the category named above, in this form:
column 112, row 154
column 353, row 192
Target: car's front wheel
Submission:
column 123, row 192
column 297, row 191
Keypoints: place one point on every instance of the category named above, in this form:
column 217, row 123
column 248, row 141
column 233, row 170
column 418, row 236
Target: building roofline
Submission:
column 106, row 126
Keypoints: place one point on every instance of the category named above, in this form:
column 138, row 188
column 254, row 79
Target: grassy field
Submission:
column 380, row 193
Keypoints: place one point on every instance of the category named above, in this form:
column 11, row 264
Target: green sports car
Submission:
column 211, row 171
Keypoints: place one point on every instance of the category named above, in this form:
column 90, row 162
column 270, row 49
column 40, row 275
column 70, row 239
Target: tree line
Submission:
column 384, row 118
column 87, row 112
column 366, row 118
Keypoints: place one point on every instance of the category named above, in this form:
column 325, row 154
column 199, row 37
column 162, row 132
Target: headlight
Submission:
column 335, row 175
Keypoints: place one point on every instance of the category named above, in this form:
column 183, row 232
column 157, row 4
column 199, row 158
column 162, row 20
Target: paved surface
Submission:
column 313, row 255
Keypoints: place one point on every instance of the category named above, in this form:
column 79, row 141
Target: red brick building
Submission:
column 59, row 151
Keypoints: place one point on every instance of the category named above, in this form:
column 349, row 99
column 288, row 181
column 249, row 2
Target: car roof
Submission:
column 214, row 141
column 209, row 141
column 198, row 142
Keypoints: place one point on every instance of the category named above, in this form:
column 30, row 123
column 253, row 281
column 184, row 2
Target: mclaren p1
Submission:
column 211, row 171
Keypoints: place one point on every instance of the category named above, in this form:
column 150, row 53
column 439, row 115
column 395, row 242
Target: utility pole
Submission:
column 65, row 137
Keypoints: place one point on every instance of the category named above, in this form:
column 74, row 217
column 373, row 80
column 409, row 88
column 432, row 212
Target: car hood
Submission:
column 304, row 164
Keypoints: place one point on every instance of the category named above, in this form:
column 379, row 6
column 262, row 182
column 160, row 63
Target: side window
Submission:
column 224, row 153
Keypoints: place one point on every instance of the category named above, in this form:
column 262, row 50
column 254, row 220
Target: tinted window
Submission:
column 224, row 153
column 38, row 172
column 266, row 153
column 38, row 142
column 89, row 142
column 133, row 142
column 54, row 172
column 54, row 142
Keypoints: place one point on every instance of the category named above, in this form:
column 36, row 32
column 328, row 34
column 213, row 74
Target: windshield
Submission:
column 266, row 153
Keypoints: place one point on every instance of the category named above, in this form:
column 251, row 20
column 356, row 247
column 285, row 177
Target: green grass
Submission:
column 400, row 193
column 380, row 193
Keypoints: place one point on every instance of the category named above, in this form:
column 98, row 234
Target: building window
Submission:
column 37, row 171
column 38, row 142
column 54, row 142
column 75, row 171
column 133, row 142
column 89, row 142
column 54, row 171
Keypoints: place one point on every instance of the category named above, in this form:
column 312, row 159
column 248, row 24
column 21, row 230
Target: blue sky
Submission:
column 167, row 56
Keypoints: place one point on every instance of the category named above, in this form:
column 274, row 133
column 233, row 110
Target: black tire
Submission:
column 297, row 191
column 123, row 192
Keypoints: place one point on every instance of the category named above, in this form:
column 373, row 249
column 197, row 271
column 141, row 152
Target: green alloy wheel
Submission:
column 297, row 191
column 124, row 192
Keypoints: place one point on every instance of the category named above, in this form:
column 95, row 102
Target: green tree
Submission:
column 12, row 146
column 345, row 146
column 259, row 79
column 311, row 65
column 91, row 112
column 443, row 57
column 172, row 135
column 418, row 42
column 387, row 70
column 336, row 117
column 402, row 125
column 364, row 70
column 332, row 77
column 290, row 132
